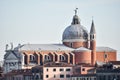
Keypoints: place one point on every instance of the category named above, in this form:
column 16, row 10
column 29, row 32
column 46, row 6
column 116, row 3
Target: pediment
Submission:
column 11, row 56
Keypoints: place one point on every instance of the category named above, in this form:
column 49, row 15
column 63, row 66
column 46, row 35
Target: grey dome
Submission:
column 75, row 32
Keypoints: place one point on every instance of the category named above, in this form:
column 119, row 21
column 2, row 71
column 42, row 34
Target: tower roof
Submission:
column 92, row 31
column 75, row 18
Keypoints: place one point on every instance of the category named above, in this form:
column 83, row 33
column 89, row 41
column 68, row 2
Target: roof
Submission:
column 13, row 52
column 100, row 63
column 85, row 75
column 117, row 70
column 92, row 31
column 19, row 72
column 105, row 49
column 75, row 32
column 57, row 64
column 115, row 62
column 57, row 47
column 37, row 69
column 82, row 49
column 44, row 47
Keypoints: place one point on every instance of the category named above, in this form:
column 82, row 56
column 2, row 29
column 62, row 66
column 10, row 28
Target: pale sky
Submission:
column 43, row 21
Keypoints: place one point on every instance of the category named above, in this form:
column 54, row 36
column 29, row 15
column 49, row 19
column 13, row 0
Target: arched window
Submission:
column 47, row 58
column 62, row 58
column 32, row 57
column 71, row 44
column 37, row 77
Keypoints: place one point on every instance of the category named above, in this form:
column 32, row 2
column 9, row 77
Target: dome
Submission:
column 75, row 32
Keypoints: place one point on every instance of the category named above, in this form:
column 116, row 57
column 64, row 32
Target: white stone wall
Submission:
column 11, row 63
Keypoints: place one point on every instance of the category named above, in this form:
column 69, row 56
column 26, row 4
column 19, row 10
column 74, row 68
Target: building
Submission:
column 78, row 47
column 83, row 69
column 108, row 74
column 84, row 77
column 1, row 73
column 116, row 64
column 37, row 72
column 49, row 71
column 53, row 71
column 23, row 74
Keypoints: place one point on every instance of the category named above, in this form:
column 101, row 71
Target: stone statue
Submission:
column 76, row 11
column 6, row 47
column 11, row 46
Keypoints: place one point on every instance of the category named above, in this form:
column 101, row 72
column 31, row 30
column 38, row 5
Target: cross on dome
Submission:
column 76, row 11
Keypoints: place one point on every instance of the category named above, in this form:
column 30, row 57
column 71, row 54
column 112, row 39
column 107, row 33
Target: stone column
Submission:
column 58, row 58
column 28, row 59
column 68, row 57
column 73, row 58
column 38, row 58
column 53, row 56
column 42, row 58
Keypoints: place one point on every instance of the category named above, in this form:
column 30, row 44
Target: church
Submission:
column 78, row 47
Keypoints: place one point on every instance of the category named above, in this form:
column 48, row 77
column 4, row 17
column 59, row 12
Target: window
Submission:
column 46, row 69
column 67, row 76
column 54, row 76
column 90, row 78
column 54, row 69
column 62, row 58
column 87, row 78
column 118, row 77
column 47, row 58
column 61, row 76
column 71, row 44
column 104, row 77
column 67, row 69
column 77, row 78
column 32, row 57
column 77, row 70
column 61, row 69
column 37, row 77
column 94, row 78
column 83, row 69
column 93, row 36
column 105, row 55
column 47, row 76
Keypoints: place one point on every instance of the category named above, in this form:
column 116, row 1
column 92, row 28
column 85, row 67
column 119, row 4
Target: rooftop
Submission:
column 20, row 72
column 85, row 75
column 56, row 47
column 115, row 62
column 57, row 64
column 117, row 70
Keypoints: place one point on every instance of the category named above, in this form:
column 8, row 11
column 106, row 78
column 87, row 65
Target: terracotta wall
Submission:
column 83, row 57
column 111, row 56
column 39, row 56
column 76, row 44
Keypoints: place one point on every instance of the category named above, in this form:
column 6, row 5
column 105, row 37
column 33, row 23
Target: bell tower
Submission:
column 93, row 43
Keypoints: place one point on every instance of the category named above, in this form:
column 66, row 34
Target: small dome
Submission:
column 75, row 32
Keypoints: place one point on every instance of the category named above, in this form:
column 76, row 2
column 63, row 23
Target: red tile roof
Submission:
column 115, row 62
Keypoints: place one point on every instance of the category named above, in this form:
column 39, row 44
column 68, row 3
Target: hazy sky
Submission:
column 43, row 21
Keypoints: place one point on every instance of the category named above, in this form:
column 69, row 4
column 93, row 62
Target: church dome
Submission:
column 75, row 32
